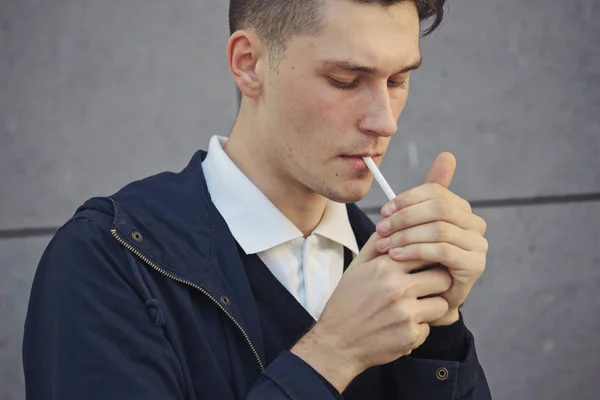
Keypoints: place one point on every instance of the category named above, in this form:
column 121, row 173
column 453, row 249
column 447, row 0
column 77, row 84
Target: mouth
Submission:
column 356, row 160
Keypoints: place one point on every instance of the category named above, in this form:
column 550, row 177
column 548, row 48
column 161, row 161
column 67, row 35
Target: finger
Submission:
column 369, row 251
column 434, row 232
column 438, row 179
column 424, row 330
column 420, row 194
column 429, row 211
column 430, row 309
column 442, row 170
column 426, row 310
column 430, row 282
column 384, row 262
column 463, row 265
column 419, row 332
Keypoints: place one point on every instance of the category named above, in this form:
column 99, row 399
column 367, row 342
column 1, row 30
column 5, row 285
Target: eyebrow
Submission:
column 349, row 66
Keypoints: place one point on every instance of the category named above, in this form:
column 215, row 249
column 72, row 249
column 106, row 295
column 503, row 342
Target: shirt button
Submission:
column 442, row 374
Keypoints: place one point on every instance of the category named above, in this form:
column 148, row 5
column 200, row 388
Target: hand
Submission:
column 378, row 312
column 431, row 224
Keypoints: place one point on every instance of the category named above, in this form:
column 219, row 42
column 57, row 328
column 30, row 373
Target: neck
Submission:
column 301, row 206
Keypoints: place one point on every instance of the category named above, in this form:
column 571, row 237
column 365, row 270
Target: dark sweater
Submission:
column 284, row 321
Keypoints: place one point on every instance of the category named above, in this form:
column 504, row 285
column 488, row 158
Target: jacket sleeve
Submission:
column 408, row 378
column 88, row 335
column 289, row 377
column 420, row 378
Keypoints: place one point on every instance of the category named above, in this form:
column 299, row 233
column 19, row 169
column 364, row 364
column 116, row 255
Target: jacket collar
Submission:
column 171, row 223
column 179, row 223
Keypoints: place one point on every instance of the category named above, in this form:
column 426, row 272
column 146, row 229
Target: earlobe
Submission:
column 243, row 51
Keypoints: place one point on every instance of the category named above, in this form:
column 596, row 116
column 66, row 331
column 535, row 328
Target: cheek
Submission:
column 399, row 103
column 328, row 119
column 313, row 107
column 312, row 103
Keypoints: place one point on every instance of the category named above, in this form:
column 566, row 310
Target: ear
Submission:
column 244, row 52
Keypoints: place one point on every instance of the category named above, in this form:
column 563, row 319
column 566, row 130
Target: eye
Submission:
column 402, row 84
column 343, row 85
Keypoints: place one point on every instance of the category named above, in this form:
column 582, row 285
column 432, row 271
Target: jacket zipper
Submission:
column 168, row 275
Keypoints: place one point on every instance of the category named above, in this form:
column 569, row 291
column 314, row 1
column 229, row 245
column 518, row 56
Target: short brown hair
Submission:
column 277, row 21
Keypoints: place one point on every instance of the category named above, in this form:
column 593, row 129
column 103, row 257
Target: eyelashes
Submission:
column 351, row 85
column 343, row 85
column 398, row 84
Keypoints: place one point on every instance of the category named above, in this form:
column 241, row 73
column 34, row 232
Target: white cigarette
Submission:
column 379, row 178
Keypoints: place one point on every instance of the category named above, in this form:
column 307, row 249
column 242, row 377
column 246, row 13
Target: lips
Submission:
column 357, row 162
column 372, row 155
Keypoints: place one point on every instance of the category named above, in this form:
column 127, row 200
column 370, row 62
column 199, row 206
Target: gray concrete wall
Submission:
column 95, row 94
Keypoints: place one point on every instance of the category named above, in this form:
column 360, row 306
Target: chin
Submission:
column 349, row 193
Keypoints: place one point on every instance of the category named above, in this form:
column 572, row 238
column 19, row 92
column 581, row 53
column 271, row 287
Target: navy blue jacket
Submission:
column 143, row 295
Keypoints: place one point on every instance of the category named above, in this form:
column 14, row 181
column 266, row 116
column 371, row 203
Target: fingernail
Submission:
column 382, row 244
column 388, row 209
column 384, row 226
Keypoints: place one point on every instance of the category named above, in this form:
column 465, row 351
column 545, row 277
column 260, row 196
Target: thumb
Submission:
column 442, row 170
column 368, row 251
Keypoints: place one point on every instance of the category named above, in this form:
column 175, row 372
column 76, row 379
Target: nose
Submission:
column 379, row 118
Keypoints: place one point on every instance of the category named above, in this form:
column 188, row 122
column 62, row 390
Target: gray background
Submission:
column 94, row 94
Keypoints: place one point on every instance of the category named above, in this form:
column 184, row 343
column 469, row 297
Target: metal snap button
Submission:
column 225, row 300
column 442, row 374
column 137, row 236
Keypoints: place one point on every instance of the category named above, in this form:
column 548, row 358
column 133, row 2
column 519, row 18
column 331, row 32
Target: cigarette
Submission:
column 379, row 178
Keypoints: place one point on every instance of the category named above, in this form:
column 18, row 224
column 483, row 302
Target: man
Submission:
column 251, row 274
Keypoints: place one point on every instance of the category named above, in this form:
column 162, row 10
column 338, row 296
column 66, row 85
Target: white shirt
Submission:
column 310, row 268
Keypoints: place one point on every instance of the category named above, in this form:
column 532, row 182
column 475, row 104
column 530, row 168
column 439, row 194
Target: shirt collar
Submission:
column 335, row 226
column 255, row 223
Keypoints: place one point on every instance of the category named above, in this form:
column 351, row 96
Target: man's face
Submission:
column 322, row 110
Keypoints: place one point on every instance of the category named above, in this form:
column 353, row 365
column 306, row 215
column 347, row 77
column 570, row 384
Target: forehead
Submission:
column 384, row 37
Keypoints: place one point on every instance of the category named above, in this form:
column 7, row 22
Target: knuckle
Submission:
column 425, row 332
column 400, row 312
column 438, row 189
column 467, row 205
column 403, row 313
column 402, row 218
column 381, row 264
column 443, row 306
column 413, row 337
column 443, row 208
column 416, row 250
column 445, row 278
column 402, row 239
column 485, row 245
column 401, row 200
column 398, row 239
column 442, row 250
column 481, row 265
column 399, row 295
column 389, row 296
column 483, row 226
column 394, row 294
column 440, row 230
column 409, row 293
column 449, row 282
